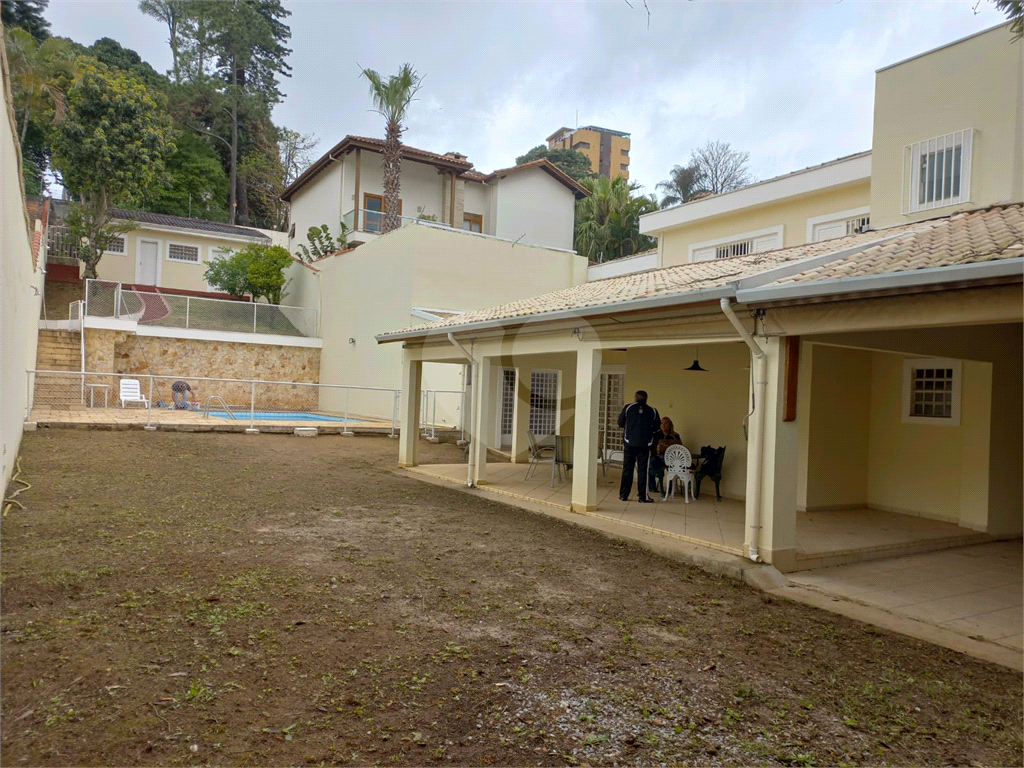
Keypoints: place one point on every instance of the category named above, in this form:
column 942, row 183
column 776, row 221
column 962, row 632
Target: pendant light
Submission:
column 696, row 363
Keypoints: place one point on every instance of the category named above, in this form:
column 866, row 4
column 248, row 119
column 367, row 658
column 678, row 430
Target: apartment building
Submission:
column 608, row 150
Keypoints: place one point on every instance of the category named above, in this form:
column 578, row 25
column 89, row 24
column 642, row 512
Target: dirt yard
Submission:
column 222, row 599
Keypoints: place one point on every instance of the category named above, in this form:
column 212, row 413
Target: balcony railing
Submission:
column 372, row 221
column 111, row 300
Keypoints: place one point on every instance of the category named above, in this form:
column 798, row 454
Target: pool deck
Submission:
column 191, row 421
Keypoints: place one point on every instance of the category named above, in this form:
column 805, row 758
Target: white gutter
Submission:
column 756, row 450
column 655, row 302
column 1013, row 267
column 471, row 464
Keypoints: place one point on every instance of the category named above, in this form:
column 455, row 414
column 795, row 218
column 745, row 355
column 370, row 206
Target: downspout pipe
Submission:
column 756, row 450
column 471, row 464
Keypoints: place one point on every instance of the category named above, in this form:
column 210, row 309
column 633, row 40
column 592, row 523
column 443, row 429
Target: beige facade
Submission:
column 974, row 85
column 607, row 150
column 379, row 285
column 21, row 288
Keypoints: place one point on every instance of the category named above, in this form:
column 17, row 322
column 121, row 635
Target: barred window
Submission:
column 741, row 248
column 543, row 402
column 116, row 245
column 931, row 391
column 940, row 171
column 178, row 252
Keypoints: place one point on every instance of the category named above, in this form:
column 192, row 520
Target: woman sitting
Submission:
column 662, row 439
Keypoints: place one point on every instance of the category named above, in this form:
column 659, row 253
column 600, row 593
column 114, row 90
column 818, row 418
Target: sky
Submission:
column 791, row 83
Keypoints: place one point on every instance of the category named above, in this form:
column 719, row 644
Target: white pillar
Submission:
column 412, row 385
column 779, row 461
column 584, row 459
column 521, row 417
column 483, row 416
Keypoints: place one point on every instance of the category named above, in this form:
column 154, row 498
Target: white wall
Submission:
column 318, row 202
column 477, row 200
column 626, row 266
column 532, row 205
column 20, row 292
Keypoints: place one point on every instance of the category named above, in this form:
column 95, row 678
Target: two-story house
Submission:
column 533, row 203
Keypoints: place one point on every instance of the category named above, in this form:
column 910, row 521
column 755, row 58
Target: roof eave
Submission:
column 959, row 273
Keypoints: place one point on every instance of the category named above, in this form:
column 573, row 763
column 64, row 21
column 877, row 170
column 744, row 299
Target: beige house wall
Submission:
column 320, row 202
column 792, row 214
column 974, row 83
column 171, row 274
column 21, row 289
column 532, row 206
column 476, row 199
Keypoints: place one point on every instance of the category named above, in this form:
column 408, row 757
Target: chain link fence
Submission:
column 131, row 398
column 112, row 300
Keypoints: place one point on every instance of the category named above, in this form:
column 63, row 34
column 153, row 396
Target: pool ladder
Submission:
column 219, row 399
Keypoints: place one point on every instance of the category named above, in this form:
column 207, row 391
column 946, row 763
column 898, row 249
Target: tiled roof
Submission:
column 964, row 238
column 474, row 176
column 61, row 208
column 548, row 167
column 958, row 239
column 412, row 152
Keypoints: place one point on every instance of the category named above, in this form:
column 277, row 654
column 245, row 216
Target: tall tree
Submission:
column 39, row 71
column 391, row 98
column 608, row 220
column 116, row 56
column 195, row 183
column 572, row 161
column 110, row 148
column 682, row 185
column 720, row 168
column 170, row 12
column 27, row 15
column 296, row 150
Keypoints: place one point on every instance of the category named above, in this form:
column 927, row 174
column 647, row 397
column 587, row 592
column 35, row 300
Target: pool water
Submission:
column 278, row 416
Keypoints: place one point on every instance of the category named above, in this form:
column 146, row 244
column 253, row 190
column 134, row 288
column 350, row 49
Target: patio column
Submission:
column 780, row 459
column 521, row 417
column 412, row 385
column 484, row 416
column 584, row 458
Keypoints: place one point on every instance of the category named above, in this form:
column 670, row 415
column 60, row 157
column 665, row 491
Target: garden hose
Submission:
column 9, row 502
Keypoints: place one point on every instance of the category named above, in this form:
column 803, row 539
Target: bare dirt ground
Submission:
column 211, row 599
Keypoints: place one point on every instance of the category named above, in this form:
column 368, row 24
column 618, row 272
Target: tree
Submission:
column 608, row 220
column 682, row 185
column 321, row 243
column 38, row 71
column 720, row 168
column 27, row 15
column 256, row 270
column 116, row 56
column 1014, row 10
column 572, row 161
column 296, row 150
column 170, row 12
column 195, row 185
column 110, row 148
column 391, row 98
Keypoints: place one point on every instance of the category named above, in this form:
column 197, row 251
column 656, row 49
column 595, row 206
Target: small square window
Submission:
column 178, row 252
column 931, row 391
column 116, row 245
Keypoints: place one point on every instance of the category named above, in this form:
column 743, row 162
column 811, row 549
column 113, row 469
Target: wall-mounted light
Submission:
column 577, row 333
column 351, row 340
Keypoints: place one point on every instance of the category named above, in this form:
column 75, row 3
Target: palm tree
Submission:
column 38, row 70
column 683, row 184
column 608, row 220
column 391, row 99
column 170, row 12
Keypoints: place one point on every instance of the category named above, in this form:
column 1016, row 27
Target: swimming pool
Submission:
column 278, row 416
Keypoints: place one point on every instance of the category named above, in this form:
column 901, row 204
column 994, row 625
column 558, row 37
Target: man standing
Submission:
column 639, row 421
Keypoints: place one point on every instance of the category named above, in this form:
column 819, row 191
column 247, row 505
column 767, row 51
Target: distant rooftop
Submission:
column 599, row 129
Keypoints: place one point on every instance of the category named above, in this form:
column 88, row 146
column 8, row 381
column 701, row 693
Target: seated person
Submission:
column 663, row 438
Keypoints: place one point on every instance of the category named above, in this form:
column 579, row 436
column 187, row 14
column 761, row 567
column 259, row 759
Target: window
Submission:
column 838, row 224
column 543, row 402
column 740, row 244
column 858, row 224
column 741, row 248
column 931, row 391
column 116, row 245
column 624, row 152
column 473, row 222
column 581, row 145
column 940, row 171
column 373, row 208
column 623, row 166
column 178, row 252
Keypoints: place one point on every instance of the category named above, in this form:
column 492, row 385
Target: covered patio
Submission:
column 804, row 377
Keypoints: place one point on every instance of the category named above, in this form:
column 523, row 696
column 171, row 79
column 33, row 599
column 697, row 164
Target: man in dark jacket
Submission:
column 639, row 422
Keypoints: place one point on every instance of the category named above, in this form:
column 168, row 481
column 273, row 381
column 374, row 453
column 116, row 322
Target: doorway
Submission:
column 507, row 408
column 147, row 265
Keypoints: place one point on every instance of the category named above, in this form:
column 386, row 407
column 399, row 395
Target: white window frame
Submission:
column 199, row 253
column 912, row 153
column 124, row 252
column 912, row 364
column 834, row 218
column 558, row 401
column 777, row 231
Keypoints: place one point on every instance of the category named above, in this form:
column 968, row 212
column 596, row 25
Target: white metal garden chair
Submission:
column 131, row 392
column 677, row 465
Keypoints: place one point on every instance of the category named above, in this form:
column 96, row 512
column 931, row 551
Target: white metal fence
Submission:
column 112, row 300
column 84, row 397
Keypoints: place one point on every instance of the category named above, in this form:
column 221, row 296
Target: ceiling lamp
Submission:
column 696, row 363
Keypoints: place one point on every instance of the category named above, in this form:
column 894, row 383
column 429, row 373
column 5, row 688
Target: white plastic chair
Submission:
column 677, row 465
column 131, row 392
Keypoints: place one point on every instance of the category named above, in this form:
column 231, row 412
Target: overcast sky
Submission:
column 789, row 82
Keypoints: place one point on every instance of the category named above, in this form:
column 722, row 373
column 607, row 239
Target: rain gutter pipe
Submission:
column 757, row 444
column 471, row 464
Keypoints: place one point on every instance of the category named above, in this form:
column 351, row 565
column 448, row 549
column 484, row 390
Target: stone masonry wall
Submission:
column 121, row 352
